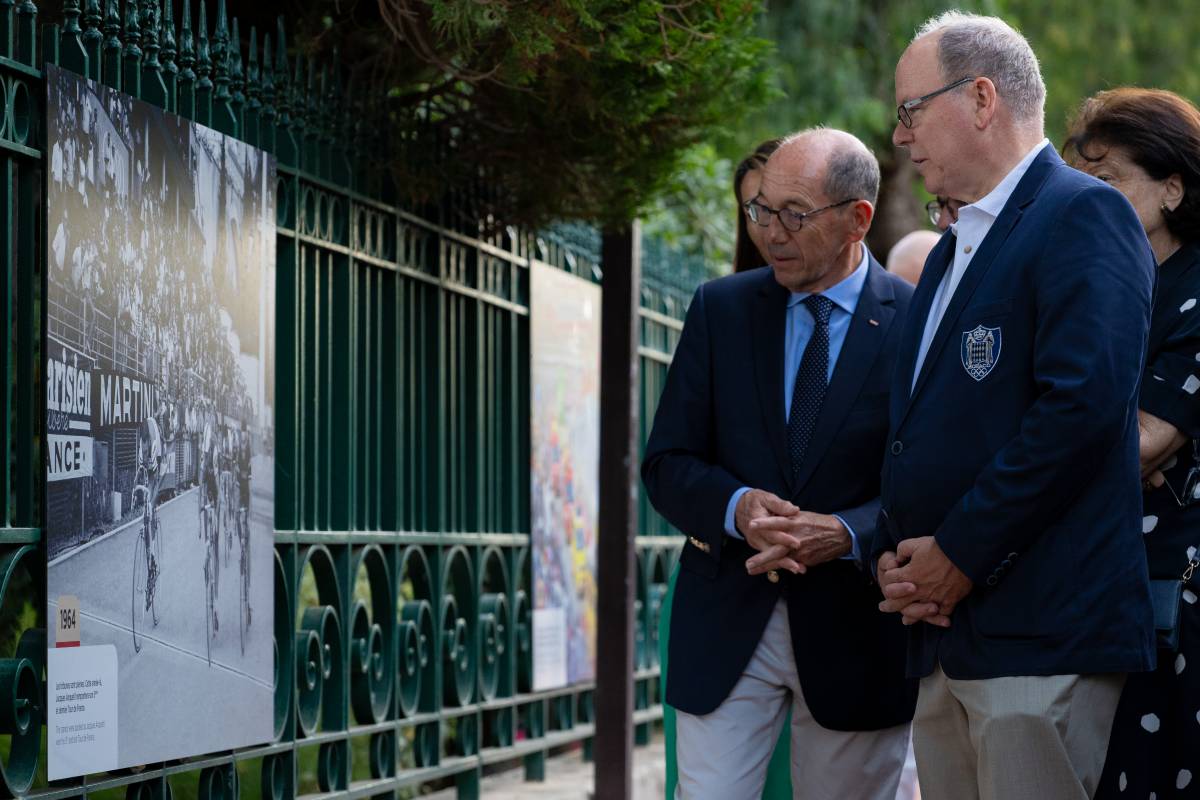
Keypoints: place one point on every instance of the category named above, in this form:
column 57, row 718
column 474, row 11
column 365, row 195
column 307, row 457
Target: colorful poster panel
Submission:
column 564, row 334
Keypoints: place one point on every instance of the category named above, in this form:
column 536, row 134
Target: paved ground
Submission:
column 164, row 690
column 568, row 777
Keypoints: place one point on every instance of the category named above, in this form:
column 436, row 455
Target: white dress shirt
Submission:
column 974, row 222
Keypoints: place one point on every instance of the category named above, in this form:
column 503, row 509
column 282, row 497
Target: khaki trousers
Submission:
column 1042, row 737
column 724, row 755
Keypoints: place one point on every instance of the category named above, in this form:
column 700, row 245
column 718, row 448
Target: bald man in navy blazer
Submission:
column 765, row 453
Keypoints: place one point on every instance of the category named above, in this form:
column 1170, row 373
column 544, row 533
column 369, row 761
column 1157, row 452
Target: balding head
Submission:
column 907, row 257
column 816, row 201
column 843, row 164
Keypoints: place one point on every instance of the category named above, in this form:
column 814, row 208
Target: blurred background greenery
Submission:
column 831, row 62
column 536, row 111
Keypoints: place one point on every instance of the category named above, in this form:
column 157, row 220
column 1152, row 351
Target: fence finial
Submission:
column 268, row 79
column 112, row 45
column 149, row 22
column 220, row 54
column 203, row 61
column 132, row 29
column 187, row 52
column 166, row 36
column 132, row 54
column 253, row 76
column 71, row 17
column 237, row 78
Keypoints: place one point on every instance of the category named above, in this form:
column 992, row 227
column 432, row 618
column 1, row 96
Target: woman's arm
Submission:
column 1157, row 441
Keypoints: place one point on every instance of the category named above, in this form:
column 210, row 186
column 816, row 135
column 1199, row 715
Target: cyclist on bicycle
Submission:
column 243, row 478
column 243, row 470
column 209, row 475
column 151, row 456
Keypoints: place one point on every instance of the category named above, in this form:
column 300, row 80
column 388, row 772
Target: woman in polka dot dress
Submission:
column 1146, row 143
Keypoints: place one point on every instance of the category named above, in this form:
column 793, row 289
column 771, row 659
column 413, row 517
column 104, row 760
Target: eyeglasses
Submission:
column 905, row 109
column 1191, row 482
column 935, row 209
column 793, row 221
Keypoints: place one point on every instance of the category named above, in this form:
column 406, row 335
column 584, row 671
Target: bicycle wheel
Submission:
column 208, row 595
column 138, row 600
column 156, row 548
column 243, row 603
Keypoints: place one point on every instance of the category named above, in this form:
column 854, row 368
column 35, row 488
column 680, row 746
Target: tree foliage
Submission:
column 543, row 109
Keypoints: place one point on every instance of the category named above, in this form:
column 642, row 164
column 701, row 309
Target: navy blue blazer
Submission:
column 1018, row 447
column 720, row 425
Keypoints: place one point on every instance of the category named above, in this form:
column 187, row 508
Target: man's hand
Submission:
column 820, row 537
column 925, row 585
column 904, row 594
column 1153, row 481
column 759, row 504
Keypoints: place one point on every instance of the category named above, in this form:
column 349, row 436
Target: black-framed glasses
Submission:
column 935, row 209
column 905, row 109
column 793, row 221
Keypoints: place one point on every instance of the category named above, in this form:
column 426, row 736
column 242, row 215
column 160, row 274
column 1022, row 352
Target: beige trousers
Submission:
column 724, row 755
column 1042, row 737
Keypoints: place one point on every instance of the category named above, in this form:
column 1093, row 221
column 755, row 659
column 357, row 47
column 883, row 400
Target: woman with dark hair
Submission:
column 1146, row 144
column 748, row 251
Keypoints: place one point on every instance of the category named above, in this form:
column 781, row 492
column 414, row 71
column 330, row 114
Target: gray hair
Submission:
column 988, row 47
column 852, row 172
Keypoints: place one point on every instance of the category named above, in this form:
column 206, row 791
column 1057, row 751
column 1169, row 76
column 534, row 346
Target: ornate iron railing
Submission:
column 402, row 600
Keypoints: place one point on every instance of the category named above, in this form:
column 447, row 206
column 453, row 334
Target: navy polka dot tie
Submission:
column 808, row 392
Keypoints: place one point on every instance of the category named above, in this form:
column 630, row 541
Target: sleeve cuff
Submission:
column 731, row 513
column 854, row 554
column 1172, row 403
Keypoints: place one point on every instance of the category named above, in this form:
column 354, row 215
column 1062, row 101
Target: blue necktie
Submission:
column 808, row 392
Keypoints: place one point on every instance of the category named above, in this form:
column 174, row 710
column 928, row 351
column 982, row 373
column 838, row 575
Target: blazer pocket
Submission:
column 693, row 560
column 984, row 311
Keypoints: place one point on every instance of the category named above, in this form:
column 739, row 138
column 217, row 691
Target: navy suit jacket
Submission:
column 720, row 425
column 1026, row 472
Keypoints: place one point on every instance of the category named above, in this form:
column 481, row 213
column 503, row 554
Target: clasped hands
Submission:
column 786, row 537
column 921, row 582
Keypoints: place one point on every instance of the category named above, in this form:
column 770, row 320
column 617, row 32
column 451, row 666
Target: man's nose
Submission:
column 901, row 135
column 776, row 233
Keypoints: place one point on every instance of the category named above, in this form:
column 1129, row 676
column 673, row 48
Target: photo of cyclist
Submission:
column 159, row 301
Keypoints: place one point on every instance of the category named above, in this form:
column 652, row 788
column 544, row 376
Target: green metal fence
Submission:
column 402, row 596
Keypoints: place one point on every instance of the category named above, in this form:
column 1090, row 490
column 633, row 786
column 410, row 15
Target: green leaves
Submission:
column 565, row 108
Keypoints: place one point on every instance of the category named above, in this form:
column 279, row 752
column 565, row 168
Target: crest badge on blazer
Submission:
column 980, row 351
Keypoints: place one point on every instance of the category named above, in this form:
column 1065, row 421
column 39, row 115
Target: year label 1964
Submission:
column 66, row 626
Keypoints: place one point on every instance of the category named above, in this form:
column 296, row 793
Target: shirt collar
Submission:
column 845, row 293
column 994, row 201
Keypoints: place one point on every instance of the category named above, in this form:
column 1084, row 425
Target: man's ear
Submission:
column 863, row 212
column 985, row 101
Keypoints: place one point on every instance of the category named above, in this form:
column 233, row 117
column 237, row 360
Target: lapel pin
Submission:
column 873, row 322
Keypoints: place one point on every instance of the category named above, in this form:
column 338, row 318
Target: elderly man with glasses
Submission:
column 765, row 452
column 1011, row 506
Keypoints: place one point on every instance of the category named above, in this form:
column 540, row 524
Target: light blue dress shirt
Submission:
column 798, row 330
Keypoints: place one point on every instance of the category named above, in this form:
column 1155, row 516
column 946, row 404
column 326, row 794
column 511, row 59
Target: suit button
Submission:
column 992, row 580
column 1011, row 556
column 773, row 576
column 897, row 447
column 1006, row 563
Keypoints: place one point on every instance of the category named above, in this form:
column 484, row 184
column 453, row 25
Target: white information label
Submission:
column 70, row 457
column 82, row 723
column 549, row 648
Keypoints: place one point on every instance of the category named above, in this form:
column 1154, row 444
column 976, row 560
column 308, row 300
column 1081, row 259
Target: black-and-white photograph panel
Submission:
column 160, row 393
